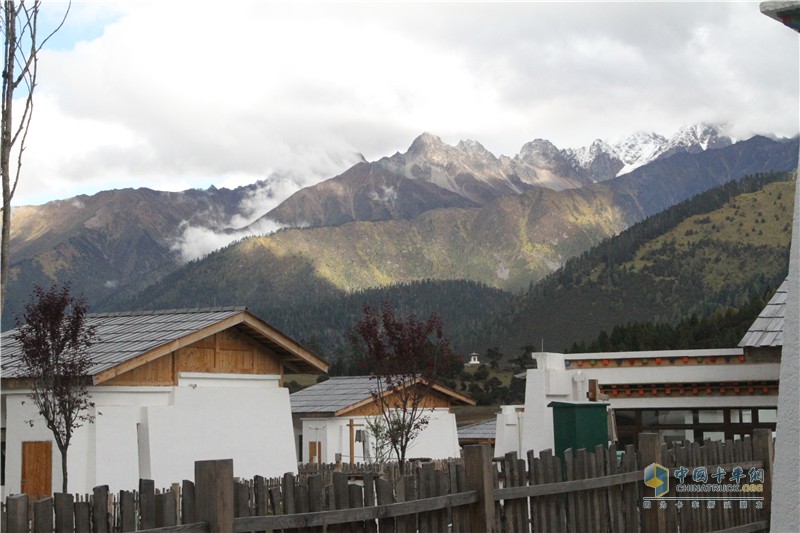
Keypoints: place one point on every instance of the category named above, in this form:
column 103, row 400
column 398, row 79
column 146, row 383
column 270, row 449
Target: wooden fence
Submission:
column 591, row 490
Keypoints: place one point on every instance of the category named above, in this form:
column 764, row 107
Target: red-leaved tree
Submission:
column 54, row 338
column 404, row 356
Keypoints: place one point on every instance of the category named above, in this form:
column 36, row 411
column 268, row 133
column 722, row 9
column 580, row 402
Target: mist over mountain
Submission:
column 437, row 212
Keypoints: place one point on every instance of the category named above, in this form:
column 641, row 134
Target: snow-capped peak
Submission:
column 702, row 136
column 642, row 147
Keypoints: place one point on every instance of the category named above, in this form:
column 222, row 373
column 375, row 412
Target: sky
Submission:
column 177, row 95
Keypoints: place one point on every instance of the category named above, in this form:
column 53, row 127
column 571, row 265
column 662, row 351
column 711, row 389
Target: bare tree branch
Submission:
column 21, row 48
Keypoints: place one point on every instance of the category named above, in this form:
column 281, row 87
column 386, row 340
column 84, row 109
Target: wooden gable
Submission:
column 225, row 352
column 437, row 397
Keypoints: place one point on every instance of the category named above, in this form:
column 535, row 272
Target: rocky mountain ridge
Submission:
column 116, row 243
column 468, row 174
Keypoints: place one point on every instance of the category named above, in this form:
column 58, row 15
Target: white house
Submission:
column 331, row 421
column 681, row 394
column 169, row 388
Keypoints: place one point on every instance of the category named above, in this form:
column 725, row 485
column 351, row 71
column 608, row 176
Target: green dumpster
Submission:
column 579, row 425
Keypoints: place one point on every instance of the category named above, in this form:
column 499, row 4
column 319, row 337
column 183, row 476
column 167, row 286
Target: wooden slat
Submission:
column 199, row 527
column 569, row 472
column 43, row 516
column 127, row 511
column 83, row 517
column 100, row 520
column 356, row 499
column 385, row 496
column 344, row 516
column 315, row 496
column 371, row 526
column 147, row 504
column 630, row 495
column 616, row 519
column 241, row 499
column 65, row 512
column 166, row 512
column 188, row 509
column 214, row 493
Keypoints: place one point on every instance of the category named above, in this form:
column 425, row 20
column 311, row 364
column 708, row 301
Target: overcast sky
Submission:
column 178, row 95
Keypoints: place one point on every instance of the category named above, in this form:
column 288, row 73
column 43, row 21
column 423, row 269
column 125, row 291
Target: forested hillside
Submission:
column 723, row 328
column 715, row 251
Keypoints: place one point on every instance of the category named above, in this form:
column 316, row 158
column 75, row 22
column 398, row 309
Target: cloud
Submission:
column 388, row 196
column 197, row 241
column 206, row 96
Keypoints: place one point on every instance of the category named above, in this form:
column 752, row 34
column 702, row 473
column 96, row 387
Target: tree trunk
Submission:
column 64, row 473
column 10, row 32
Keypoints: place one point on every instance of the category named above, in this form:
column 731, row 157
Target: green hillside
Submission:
column 712, row 252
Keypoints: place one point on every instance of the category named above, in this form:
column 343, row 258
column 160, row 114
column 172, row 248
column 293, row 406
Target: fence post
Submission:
column 43, row 516
column 654, row 520
column 214, row 494
column 478, row 467
column 147, row 504
column 127, row 511
column 65, row 512
column 17, row 511
column 763, row 450
column 100, row 509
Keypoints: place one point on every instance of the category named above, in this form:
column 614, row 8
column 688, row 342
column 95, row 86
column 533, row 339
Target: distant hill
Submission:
column 707, row 253
column 125, row 249
column 716, row 250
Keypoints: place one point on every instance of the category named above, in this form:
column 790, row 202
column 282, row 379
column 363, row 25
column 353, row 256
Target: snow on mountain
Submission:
column 641, row 148
column 472, row 171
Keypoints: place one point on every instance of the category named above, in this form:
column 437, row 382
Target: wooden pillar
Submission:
column 43, row 516
column 654, row 520
column 352, row 442
column 763, row 450
column 478, row 467
column 100, row 521
column 127, row 511
column 17, row 513
column 214, row 494
column 65, row 514
column 147, row 504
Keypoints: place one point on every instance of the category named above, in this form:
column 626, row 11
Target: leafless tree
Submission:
column 22, row 44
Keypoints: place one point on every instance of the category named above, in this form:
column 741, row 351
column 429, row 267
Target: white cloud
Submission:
column 165, row 96
column 197, row 241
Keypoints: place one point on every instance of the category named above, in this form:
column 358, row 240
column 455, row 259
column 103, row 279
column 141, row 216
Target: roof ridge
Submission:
column 183, row 311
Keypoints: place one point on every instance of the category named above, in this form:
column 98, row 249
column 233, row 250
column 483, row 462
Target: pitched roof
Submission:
column 479, row 431
column 767, row 330
column 336, row 395
column 135, row 338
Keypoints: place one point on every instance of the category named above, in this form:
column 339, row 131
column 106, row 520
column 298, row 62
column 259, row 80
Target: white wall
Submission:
column 20, row 409
column 252, row 425
column 439, row 439
column 552, row 381
column 508, row 431
column 544, row 384
column 785, row 500
column 158, row 432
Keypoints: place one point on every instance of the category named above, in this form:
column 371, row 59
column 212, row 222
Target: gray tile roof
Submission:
column 333, row 394
column 481, row 430
column 767, row 330
column 124, row 336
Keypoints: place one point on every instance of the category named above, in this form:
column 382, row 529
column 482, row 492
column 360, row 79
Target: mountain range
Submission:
column 436, row 212
column 433, row 174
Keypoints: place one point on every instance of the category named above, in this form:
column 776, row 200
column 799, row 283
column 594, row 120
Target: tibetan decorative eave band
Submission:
column 655, row 361
column 733, row 388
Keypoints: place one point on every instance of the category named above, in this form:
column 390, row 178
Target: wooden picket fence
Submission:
column 591, row 490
